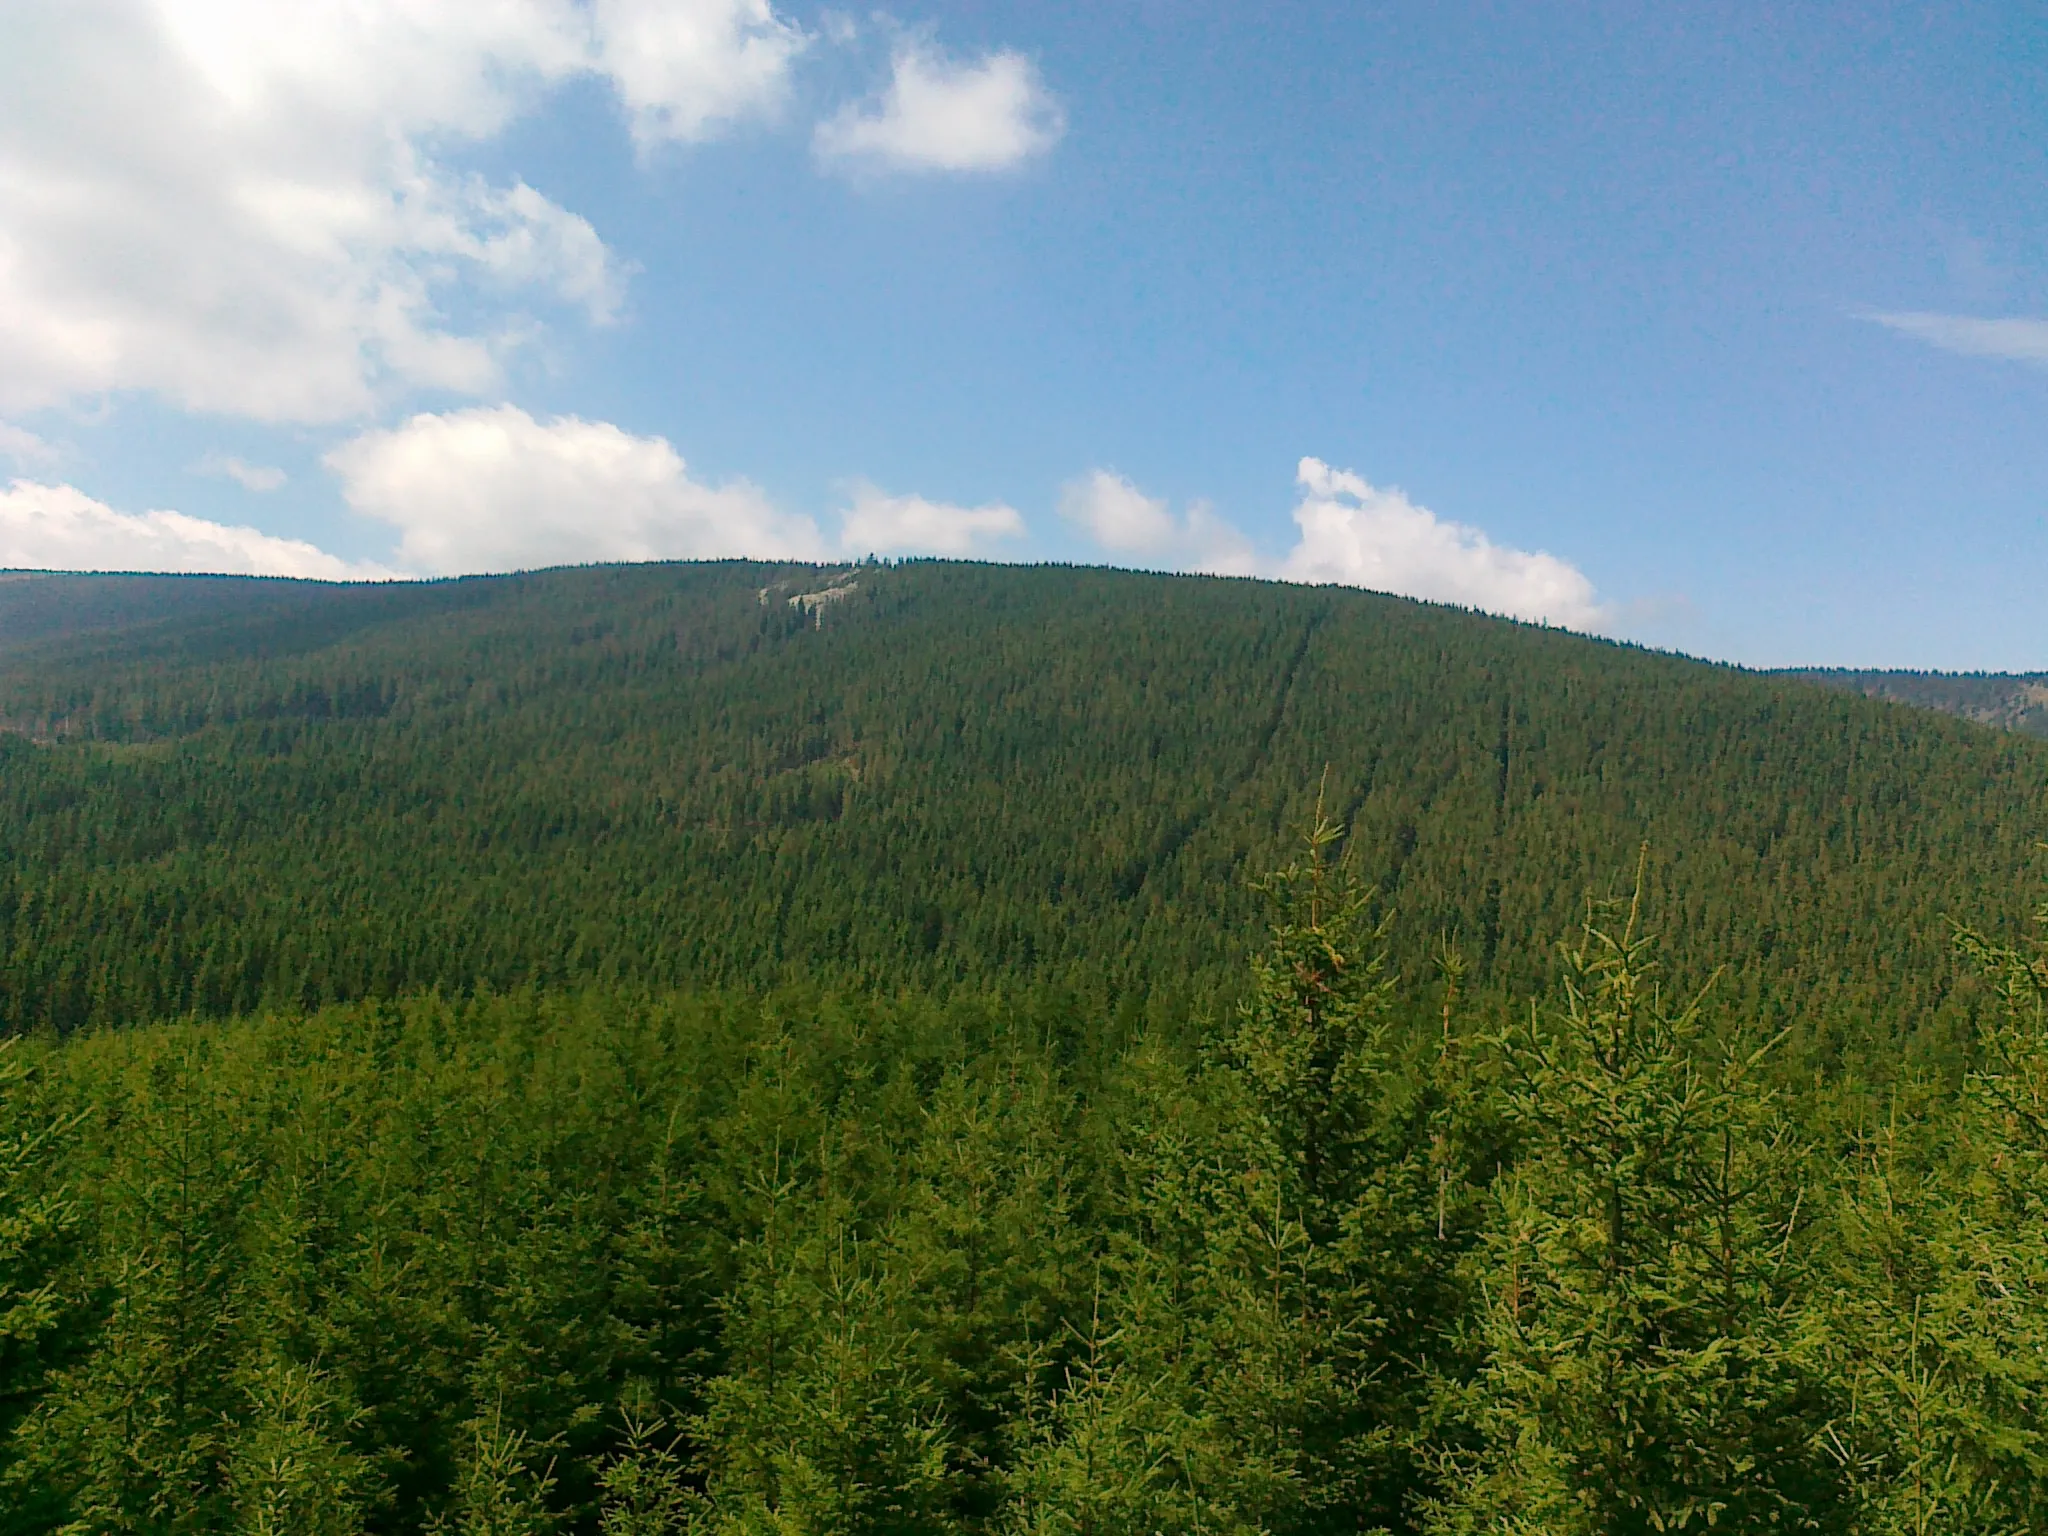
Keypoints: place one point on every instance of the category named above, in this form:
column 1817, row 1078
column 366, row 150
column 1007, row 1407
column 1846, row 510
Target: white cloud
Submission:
column 1352, row 533
column 60, row 528
column 943, row 114
column 250, row 477
column 23, row 446
column 682, row 69
column 492, row 489
column 1116, row 514
column 1123, row 519
column 1359, row 535
column 237, row 204
column 2015, row 338
column 878, row 523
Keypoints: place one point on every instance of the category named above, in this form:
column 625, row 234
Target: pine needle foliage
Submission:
column 1353, row 1250
column 1939, row 1325
column 1249, row 1361
column 1648, row 1364
column 38, row 1227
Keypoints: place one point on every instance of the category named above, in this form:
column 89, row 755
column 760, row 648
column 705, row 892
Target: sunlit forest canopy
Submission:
column 221, row 795
column 997, row 1264
column 990, row 1051
column 941, row 770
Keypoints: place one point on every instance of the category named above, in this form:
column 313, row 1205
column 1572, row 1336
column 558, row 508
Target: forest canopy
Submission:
column 818, row 1262
column 219, row 796
column 1000, row 1051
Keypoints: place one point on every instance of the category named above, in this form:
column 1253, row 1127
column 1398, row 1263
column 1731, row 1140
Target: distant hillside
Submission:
column 2013, row 701
column 221, row 795
column 39, row 606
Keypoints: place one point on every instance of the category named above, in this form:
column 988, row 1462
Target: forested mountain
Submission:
column 217, row 795
column 2013, row 701
column 949, row 1050
column 43, row 605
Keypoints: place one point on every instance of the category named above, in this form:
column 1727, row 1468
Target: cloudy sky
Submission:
column 1720, row 328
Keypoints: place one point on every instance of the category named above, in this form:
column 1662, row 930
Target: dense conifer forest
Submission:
column 221, row 796
column 2013, row 701
column 953, row 1049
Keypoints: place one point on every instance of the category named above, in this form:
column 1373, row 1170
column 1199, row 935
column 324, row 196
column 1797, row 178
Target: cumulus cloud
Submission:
column 1357, row 534
column 943, row 114
column 1352, row 533
column 878, row 523
column 2015, row 338
column 60, row 528
column 1123, row 519
column 681, row 70
column 250, row 477
column 237, row 204
column 493, row 489
column 1116, row 514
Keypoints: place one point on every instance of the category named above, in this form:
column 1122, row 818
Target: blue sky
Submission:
column 1719, row 331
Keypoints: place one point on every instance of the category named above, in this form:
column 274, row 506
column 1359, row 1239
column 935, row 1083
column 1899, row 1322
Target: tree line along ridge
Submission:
column 1003, row 1050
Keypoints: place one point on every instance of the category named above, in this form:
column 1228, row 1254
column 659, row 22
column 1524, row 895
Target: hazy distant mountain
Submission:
column 2013, row 701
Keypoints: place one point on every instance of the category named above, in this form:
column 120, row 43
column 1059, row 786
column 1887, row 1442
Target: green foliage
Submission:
column 610, row 1052
column 1240, row 1368
column 829, row 1416
column 819, row 1263
column 1308, row 1042
column 503, row 1486
column 1647, row 1364
column 649, row 1486
column 2013, row 701
column 1940, row 1314
column 252, row 795
column 37, row 1226
column 292, row 1469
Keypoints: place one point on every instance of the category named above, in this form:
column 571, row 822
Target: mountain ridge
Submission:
column 956, row 774
column 2012, row 701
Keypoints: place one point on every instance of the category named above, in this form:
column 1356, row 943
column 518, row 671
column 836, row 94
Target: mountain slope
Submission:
column 948, row 773
column 2013, row 701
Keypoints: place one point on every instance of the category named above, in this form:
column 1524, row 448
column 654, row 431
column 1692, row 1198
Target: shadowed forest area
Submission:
column 2014, row 701
column 1007, row 1050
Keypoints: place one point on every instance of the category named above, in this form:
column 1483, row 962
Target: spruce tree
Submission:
column 650, row 1487
column 1939, row 1317
column 1326, row 1250
column 38, row 1222
column 502, row 1483
column 291, row 1470
column 829, row 1417
column 136, row 1437
column 1243, row 1370
column 1647, row 1363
